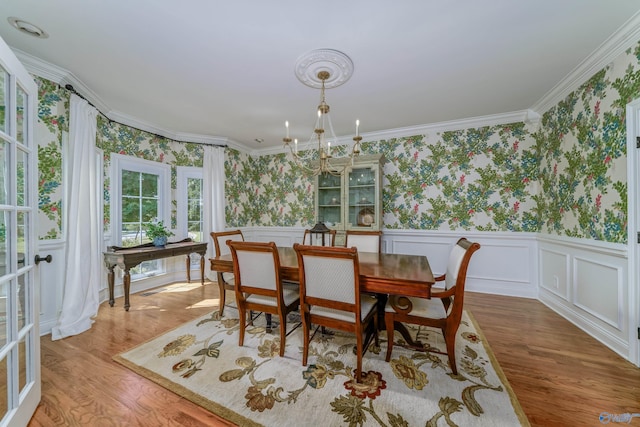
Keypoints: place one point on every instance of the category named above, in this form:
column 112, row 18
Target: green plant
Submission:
column 156, row 229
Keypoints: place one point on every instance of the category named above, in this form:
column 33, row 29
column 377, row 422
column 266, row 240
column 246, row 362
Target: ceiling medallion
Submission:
column 311, row 64
column 323, row 69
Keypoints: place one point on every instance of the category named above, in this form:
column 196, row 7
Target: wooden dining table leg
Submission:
column 188, row 262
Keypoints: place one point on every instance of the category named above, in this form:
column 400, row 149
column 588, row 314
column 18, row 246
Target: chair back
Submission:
column 220, row 240
column 256, row 267
column 329, row 277
column 365, row 241
column 456, row 275
column 315, row 239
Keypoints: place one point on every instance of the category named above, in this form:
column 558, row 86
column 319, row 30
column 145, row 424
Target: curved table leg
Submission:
column 398, row 302
column 221, row 290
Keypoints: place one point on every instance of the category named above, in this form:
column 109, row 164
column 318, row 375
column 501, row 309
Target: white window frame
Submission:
column 121, row 162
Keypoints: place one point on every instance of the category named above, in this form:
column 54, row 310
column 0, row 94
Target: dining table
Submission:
column 387, row 275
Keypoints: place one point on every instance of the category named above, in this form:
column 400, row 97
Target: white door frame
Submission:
column 633, row 220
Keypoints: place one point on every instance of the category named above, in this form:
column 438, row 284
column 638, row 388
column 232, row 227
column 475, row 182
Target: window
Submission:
column 140, row 193
column 189, row 204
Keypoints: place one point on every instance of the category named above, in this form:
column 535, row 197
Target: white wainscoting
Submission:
column 586, row 282
column 51, row 277
column 515, row 273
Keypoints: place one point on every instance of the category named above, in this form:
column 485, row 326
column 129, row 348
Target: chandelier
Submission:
column 318, row 156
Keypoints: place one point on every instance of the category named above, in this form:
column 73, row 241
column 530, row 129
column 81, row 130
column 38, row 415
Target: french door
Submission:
column 19, row 302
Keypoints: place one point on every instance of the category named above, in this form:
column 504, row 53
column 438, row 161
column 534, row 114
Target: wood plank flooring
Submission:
column 562, row 377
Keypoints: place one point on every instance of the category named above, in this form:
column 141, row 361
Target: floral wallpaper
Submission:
column 582, row 147
column 53, row 113
column 565, row 175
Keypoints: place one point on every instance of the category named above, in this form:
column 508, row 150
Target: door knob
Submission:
column 38, row 258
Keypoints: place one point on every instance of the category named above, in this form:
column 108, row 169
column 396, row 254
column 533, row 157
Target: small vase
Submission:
column 160, row 241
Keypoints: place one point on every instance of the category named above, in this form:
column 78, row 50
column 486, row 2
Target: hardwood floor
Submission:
column 562, row 377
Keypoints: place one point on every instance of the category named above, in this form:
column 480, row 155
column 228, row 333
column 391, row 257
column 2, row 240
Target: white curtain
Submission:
column 213, row 189
column 83, row 270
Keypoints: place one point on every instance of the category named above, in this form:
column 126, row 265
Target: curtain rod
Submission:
column 71, row 89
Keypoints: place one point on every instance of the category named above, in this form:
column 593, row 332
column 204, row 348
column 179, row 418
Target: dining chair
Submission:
column 225, row 280
column 443, row 310
column 364, row 240
column 258, row 287
column 315, row 239
column 330, row 296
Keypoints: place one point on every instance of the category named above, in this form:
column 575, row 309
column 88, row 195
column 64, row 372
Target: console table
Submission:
column 128, row 257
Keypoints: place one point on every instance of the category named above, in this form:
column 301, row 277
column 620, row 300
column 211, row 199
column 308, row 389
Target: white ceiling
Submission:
column 226, row 68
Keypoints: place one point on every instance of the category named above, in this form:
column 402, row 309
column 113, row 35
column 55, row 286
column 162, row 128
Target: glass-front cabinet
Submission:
column 352, row 200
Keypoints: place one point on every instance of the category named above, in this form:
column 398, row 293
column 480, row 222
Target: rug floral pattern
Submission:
column 253, row 383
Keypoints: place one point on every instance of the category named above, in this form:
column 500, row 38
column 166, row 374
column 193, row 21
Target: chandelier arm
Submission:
column 324, row 153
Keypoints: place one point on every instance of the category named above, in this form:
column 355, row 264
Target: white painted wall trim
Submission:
column 633, row 218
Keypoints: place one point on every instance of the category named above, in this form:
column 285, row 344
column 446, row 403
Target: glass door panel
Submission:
column 4, row 167
column 20, row 387
column 329, row 200
column 4, row 99
column 21, row 108
column 362, row 197
column 22, row 174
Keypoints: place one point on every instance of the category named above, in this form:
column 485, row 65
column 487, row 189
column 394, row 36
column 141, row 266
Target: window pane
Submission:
column 149, row 209
column 4, row 101
column 4, row 167
column 4, row 240
column 130, row 183
column 195, row 210
column 21, row 108
column 194, row 188
column 3, row 317
column 4, row 398
column 130, row 209
column 131, row 234
column 149, row 185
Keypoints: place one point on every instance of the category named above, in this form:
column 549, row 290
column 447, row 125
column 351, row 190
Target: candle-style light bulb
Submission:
column 357, row 127
column 286, row 125
column 295, row 143
column 329, row 148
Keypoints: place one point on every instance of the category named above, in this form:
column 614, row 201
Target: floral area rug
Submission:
column 252, row 385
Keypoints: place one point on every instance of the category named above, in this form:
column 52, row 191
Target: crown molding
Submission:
column 624, row 38
column 60, row 76
column 176, row 136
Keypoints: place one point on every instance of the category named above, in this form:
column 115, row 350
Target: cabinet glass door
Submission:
column 329, row 200
column 362, row 199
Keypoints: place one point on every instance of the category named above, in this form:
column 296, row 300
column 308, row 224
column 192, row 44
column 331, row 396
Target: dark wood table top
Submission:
column 130, row 257
column 396, row 274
